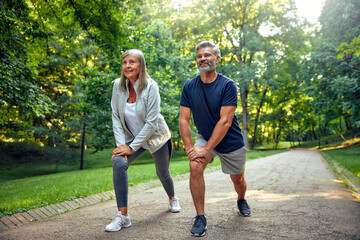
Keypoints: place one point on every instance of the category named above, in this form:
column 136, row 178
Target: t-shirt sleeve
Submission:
column 230, row 95
column 184, row 101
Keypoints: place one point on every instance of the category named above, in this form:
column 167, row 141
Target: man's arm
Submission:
column 220, row 130
column 185, row 132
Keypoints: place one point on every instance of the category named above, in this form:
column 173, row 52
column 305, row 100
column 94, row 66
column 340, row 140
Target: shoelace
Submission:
column 197, row 222
column 119, row 219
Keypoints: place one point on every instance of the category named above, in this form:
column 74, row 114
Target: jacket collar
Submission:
column 136, row 84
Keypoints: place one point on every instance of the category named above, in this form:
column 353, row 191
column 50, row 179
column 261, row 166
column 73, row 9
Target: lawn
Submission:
column 347, row 158
column 34, row 192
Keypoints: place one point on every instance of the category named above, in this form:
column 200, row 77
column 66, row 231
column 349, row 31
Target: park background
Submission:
column 298, row 81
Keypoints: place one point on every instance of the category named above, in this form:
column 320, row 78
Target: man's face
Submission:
column 206, row 59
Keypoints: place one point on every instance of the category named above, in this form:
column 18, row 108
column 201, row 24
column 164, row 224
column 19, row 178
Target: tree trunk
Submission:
column 244, row 96
column 347, row 122
column 82, row 148
column 277, row 140
column 257, row 118
column 313, row 131
column 319, row 144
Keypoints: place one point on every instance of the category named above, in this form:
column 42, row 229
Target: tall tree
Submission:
column 21, row 97
column 336, row 81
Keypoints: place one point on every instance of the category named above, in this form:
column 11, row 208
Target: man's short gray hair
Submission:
column 205, row 44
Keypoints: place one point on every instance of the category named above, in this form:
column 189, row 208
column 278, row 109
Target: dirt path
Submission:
column 293, row 195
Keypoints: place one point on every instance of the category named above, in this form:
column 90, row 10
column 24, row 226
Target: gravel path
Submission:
column 292, row 195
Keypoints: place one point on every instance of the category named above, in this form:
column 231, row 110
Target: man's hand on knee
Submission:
column 198, row 152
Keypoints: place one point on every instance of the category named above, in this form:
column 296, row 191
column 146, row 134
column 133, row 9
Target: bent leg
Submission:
column 197, row 183
column 120, row 179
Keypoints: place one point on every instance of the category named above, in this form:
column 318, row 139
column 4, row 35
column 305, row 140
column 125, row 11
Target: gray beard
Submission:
column 208, row 68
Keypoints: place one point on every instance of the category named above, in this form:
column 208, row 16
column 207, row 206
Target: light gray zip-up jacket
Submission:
column 154, row 130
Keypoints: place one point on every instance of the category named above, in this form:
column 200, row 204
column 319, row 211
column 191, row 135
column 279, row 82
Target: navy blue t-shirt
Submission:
column 205, row 102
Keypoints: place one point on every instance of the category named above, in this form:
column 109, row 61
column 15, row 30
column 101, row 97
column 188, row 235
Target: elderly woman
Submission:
column 138, row 126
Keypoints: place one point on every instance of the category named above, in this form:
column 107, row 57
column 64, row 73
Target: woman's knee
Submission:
column 119, row 162
column 163, row 175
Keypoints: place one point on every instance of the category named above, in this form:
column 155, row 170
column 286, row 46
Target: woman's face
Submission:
column 131, row 67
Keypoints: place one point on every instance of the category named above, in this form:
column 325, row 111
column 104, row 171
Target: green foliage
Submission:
column 347, row 49
column 92, row 103
column 59, row 58
column 21, row 160
column 335, row 84
column 20, row 94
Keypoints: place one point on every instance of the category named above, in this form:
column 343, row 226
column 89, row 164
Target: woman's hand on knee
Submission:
column 121, row 150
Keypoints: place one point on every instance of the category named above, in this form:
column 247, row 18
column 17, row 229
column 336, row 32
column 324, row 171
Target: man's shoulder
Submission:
column 191, row 82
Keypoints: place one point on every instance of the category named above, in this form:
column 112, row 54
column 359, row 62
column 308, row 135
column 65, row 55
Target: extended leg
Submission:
column 239, row 185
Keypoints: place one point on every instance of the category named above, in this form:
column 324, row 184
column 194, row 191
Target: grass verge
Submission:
column 34, row 192
column 346, row 165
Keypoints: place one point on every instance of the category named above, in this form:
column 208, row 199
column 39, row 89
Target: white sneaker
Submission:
column 119, row 221
column 174, row 205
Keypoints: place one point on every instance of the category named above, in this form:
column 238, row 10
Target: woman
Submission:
column 138, row 126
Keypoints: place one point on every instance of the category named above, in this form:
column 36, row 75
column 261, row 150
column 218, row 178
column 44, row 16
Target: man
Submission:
column 212, row 99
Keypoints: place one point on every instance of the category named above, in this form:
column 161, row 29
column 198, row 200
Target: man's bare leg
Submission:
column 239, row 185
column 197, row 183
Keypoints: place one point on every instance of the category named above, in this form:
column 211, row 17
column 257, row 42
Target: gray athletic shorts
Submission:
column 231, row 163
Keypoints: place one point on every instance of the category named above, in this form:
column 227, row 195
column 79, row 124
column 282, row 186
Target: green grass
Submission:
column 266, row 146
column 346, row 165
column 325, row 142
column 348, row 158
column 15, row 167
column 34, row 192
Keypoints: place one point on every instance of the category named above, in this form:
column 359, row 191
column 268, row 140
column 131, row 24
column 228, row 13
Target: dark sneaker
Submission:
column 199, row 227
column 244, row 208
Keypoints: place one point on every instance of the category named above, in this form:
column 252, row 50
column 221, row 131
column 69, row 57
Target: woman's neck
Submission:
column 132, row 93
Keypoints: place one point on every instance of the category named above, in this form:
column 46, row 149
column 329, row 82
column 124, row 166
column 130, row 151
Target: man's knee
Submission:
column 196, row 168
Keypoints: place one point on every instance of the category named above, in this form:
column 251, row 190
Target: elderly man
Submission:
column 212, row 99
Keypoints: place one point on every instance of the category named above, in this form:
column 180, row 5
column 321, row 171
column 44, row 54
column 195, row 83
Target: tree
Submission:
column 21, row 97
column 336, row 82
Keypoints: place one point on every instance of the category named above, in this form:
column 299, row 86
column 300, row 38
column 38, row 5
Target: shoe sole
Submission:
column 175, row 211
column 245, row 215
column 116, row 230
column 198, row 235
